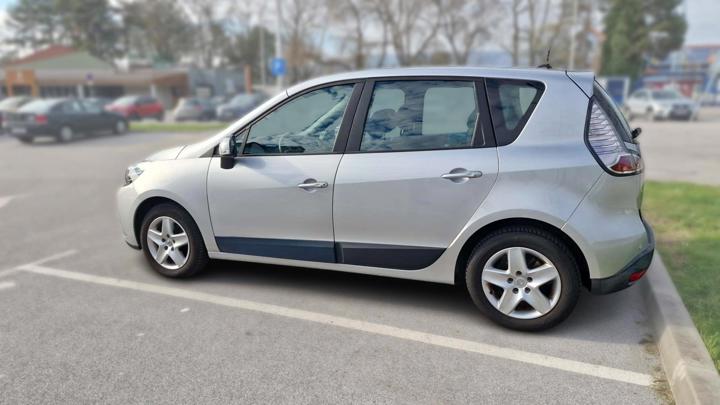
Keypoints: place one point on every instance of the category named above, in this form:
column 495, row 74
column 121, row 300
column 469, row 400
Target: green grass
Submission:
column 152, row 126
column 686, row 219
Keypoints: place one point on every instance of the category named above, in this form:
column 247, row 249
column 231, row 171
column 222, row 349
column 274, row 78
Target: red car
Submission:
column 137, row 107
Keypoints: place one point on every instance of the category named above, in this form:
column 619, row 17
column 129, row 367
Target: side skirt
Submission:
column 359, row 254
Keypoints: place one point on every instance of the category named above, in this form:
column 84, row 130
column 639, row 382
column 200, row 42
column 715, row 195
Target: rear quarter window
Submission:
column 511, row 104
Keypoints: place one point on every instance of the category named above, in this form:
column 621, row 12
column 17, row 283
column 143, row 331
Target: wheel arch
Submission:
column 473, row 240
column 145, row 206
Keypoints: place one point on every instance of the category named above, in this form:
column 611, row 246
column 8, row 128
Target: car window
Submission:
column 511, row 104
column 307, row 124
column 71, row 107
column 420, row 115
column 39, row 106
column 92, row 107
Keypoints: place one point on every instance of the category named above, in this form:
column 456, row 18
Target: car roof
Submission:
column 459, row 71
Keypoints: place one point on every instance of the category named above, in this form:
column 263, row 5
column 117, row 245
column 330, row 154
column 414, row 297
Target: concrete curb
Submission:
column 687, row 364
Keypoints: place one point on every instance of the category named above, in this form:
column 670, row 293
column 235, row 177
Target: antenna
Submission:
column 546, row 65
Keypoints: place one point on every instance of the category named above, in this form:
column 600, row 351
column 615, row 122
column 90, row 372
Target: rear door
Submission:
column 420, row 161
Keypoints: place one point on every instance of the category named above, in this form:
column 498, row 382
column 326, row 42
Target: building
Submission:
column 694, row 70
column 60, row 71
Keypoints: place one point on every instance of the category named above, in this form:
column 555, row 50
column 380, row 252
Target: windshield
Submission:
column 127, row 100
column 665, row 95
column 39, row 106
column 243, row 100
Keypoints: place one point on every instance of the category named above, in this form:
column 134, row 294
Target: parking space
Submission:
column 84, row 319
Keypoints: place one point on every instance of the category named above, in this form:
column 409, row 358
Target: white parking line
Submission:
column 7, row 284
column 573, row 366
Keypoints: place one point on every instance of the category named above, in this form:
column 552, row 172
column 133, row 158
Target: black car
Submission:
column 62, row 119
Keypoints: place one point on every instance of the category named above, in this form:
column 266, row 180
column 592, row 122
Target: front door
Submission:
column 277, row 199
column 414, row 173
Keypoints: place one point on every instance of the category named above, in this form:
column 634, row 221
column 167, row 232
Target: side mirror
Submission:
column 636, row 132
column 227, row 151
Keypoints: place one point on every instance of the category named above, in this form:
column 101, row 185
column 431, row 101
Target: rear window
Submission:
column 39, row 106
column 613, row 112
column 511, row 104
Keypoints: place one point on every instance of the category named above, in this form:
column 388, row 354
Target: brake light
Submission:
column 41, row 119
column 608, row 146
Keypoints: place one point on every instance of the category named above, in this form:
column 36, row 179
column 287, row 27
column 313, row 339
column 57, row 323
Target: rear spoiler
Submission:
column 583, row 80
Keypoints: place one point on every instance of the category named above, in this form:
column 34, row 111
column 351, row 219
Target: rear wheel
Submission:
column 172, row 242
column 523, row 278
column 26, row 139
column 160, row 116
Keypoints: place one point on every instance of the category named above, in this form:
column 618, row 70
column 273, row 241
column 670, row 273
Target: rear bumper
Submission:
column 624, row 278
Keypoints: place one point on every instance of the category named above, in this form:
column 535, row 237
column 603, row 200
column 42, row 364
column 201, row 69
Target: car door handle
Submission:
column 467, row 174
column 317, row 184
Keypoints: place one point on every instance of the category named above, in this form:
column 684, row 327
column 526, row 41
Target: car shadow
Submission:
column 601, row 318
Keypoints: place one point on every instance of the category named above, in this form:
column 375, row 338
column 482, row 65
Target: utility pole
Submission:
column 278, row 42
column 573, row 34
column 263, row 62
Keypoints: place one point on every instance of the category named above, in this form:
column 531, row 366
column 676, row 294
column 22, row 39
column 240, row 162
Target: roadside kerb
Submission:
column 687, row 364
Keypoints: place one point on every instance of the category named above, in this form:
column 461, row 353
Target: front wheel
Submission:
column 120, row 127
column 66, row 134
column 523, row 278
column 172, row 242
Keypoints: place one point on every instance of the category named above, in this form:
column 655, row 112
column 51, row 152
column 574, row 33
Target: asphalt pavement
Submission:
column 83, row 319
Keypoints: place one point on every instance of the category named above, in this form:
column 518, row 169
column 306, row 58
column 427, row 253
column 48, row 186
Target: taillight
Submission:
column 41, row 119
column 607, row 145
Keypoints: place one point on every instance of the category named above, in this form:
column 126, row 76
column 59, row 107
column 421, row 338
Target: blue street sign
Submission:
column 277, row 67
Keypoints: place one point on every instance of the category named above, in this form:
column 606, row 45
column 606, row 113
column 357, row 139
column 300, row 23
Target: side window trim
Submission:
column 340, row 140
column 482, row 138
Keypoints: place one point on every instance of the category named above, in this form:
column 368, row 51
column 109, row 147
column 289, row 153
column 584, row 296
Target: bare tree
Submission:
column 412, row 26
column 464, row 24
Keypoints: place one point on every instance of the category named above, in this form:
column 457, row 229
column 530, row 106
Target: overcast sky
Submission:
column 702, row 20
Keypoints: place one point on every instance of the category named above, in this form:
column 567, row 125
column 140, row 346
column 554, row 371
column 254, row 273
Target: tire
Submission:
column 196, row 257
column 65, row 134
column 160, row 117
column 649, row 115
column 120, row 127
column 536, row 246
column 26, row 139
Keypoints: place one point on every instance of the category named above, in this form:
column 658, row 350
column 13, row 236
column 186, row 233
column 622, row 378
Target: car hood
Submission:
column 165, row 154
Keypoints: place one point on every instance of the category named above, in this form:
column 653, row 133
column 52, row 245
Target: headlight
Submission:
column 132, row 173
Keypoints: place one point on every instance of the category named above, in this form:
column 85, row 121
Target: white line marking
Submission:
column 6, row 200
column 572, row 366
column 8, row 272
column 7, row 284
column 48, row 259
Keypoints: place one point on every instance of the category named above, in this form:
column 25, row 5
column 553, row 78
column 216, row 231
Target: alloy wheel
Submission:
column 167, row 242
column 521, row 283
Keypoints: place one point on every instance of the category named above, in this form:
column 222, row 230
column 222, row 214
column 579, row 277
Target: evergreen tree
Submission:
column 640, row 29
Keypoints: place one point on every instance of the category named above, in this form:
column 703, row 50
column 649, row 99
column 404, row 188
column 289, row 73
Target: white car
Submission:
column 660, row 104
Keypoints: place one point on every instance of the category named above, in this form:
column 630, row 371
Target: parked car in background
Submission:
column 239, row 105
column 193, row 108
column 9, row 105
column 522, row 185
column 138, row 107
column 62, row 119
column 660, row 104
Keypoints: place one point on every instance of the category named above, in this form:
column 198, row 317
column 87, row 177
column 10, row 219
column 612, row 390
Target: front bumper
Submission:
column 632, row 272
column 126, row 200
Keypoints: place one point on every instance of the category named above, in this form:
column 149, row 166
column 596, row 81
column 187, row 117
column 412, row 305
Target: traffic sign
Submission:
column 277, row 67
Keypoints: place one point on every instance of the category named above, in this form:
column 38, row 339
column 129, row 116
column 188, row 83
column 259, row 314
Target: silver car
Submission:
column 660, row 104
column 524, row 185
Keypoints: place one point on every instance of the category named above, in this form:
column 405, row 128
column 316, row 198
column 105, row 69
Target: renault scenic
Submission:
column 522, row 185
